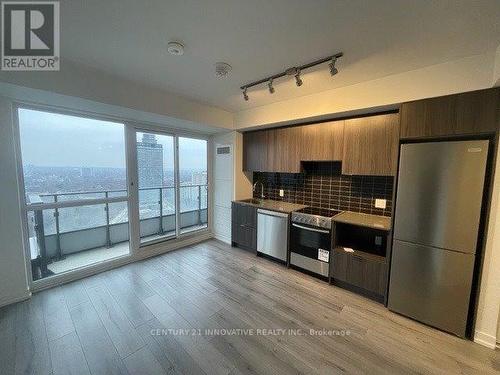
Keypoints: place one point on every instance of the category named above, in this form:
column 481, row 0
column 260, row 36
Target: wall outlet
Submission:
column 380, row 203
column 282, row 193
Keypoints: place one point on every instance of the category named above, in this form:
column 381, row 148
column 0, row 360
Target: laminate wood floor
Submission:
column 213, row 309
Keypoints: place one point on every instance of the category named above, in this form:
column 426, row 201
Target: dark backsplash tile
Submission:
column 322, row 185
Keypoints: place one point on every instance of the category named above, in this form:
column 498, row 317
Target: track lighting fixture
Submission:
column 295, row 72
column 298, row 81
column 270, row 86
column 333, row 69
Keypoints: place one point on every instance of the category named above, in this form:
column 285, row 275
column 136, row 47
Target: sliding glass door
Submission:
column 193, row 189
column 172, row 185
column 156, row 186
column 75, row 183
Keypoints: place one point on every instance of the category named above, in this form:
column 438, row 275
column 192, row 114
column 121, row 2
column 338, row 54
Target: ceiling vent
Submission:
column 223, row 150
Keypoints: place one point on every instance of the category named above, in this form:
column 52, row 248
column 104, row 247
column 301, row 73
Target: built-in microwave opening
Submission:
column 364, row 239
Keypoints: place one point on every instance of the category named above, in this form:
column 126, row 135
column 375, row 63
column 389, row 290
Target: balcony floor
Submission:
column 101, row 254
column 88, row 257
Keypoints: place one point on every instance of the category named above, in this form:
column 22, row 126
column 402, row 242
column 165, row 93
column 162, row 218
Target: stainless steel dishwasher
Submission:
column 272, row 234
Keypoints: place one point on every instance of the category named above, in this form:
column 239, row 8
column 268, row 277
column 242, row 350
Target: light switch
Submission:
column 380, row 203
column 282, row 193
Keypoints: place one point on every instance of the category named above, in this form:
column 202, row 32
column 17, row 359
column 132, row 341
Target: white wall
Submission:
column 13, row 278
column 498, row 330
column 487, row 330
column 496, row 70
column 242, row 180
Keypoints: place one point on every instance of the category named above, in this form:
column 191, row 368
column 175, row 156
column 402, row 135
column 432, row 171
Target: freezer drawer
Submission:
column 272, row 234
column 440, row 190
column 431, row 285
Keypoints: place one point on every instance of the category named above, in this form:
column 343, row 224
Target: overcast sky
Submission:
column 56, row 140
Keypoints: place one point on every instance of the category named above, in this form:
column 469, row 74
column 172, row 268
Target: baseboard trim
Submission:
column 14, row 299
column 197, row 238
column 485, row 339
column 223, row 238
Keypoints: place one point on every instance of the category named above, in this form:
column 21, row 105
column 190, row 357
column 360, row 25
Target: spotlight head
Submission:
column 298, row 81
column 245, row 95
column 333, row 69
column 270, row 86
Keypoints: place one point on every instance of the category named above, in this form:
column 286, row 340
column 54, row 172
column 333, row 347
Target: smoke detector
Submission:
column 222, row 69
column 175, row 48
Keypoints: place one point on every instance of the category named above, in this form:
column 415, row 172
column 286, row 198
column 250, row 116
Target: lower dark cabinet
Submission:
column 340, row 264
column 244, row 226
column 365, row 272
column 357, row 271
column 244, row 237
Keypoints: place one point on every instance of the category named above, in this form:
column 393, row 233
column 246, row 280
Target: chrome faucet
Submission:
column 261, row 188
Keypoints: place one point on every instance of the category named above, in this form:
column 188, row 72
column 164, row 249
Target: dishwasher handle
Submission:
column 271, row 213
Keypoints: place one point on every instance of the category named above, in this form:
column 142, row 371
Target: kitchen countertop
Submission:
column 364, row 220
column 272, row 205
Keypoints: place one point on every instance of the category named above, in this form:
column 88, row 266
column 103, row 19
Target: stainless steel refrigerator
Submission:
column 436, row 226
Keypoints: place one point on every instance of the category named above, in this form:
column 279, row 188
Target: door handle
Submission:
column 310, row 229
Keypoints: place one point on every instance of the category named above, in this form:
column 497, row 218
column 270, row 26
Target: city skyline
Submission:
column 42, row 179
column 58, row 140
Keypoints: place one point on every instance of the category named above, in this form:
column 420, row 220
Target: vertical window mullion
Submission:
column 177, row 188
column 132, row 189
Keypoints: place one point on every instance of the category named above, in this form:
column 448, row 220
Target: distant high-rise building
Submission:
column 150, row 162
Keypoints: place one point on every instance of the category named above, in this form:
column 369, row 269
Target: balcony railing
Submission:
column 61, row 224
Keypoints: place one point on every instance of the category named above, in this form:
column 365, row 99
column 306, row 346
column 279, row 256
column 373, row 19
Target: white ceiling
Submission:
column 261, row 37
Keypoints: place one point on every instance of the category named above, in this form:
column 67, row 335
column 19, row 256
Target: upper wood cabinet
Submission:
column 322, row 141
column 468, row 113
column 283, row 152
column 255, row 145
column 366, row 146
column 371, row 145
column 272, row 150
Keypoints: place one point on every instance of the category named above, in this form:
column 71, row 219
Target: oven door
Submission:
column 310, row 242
